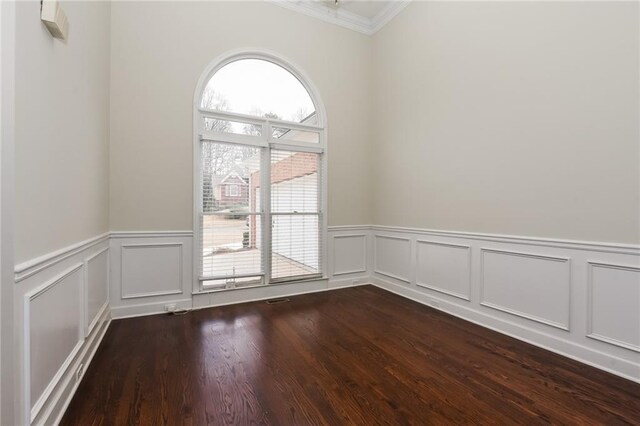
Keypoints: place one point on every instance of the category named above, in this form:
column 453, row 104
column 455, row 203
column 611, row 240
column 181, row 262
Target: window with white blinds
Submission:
column 260, row 186
column 295, row 214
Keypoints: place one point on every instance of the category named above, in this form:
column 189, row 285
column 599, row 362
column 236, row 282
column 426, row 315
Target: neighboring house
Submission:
column 232, row 190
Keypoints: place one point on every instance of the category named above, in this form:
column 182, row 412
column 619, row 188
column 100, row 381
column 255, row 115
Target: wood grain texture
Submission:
column 355, row 356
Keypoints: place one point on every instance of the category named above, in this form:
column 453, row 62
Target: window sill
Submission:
column 251, row 287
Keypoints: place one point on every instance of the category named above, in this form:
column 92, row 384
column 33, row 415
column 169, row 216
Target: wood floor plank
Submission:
column 359, row 356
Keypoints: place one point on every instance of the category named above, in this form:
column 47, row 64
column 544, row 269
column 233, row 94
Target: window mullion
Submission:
column 266, row 203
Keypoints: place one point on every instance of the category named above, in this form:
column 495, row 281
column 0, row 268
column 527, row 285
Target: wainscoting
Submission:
column 151, row 271
column 578, row 299
column 62, row 310
column 581, row 300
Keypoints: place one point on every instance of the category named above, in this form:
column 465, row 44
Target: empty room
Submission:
column 319, row 212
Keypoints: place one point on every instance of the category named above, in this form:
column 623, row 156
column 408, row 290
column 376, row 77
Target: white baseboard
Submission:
column 71, row 383
column 145, row 309
column 224, row 298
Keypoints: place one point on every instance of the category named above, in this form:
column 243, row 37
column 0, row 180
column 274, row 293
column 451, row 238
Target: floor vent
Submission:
column 274, row 301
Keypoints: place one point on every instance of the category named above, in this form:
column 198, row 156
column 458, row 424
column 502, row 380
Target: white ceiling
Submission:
column 365, row 16
column 366, row 8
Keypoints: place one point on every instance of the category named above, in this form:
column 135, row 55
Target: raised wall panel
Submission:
column 614, row 304
column 151, row 270
column 97, row 282
column 349, row 254
column 527, row 285
column 53, row 332
column 445, row 268
column 392, row 257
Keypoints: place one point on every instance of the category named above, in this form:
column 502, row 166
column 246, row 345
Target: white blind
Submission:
column 295, row 215
column 230, row 217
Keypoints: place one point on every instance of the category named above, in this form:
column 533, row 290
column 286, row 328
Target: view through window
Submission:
column 261, row 154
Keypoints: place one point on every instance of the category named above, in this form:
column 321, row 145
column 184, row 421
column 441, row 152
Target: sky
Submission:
column 253, row 85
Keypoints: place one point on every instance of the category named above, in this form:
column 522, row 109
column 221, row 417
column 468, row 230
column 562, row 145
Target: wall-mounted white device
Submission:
column 54, row 18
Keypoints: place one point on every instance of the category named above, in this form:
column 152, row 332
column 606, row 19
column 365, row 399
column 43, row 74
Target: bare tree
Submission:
column 301, row 114
column 213, row 100
column 254, row 130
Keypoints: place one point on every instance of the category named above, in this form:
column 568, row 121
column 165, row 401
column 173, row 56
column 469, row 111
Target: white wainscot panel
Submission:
column 349, row 254
column 392, row 257
column 151, row 269
column 53, row 333
column 97, row 273
column 614, row 304
column 445, row 268
column 527, row 285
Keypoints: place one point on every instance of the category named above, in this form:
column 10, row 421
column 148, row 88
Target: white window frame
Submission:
column 232, row 190
column 264, row 141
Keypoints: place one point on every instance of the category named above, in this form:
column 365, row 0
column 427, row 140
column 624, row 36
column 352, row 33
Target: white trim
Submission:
column 232, row 138
column 96, row 320
column 259, row 121
column 387, row 14
column 375, row 256
column 364, row 251
column 151, row 234
column 433, row 287
column 565, row 260
column 607, row 247
column 146, row 309
column 33, row 266
column 32, row 412
column 89, row 323
column 344, row 18
column 150, row 294
column 284, row 289
column 298, row 147
column 590, row 334
column 348, row 228
column 93, row 343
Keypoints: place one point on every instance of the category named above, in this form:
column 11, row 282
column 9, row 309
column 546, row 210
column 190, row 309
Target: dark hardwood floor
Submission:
column 358, row 356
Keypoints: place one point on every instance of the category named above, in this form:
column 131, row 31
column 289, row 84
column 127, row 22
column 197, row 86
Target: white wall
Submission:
column 60, row 296
column 7, row 142
column 153, row 77
column 62, row 129
column 517, row 118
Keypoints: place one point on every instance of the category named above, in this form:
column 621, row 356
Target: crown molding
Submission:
column 344, row 18
column 387, row 14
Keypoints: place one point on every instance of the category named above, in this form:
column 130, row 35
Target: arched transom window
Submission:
column 260, row 182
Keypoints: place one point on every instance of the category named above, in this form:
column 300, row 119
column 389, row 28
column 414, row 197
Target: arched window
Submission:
column 260, row 192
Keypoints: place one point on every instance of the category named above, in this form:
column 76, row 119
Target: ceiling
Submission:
column 365, row 8
column 365, row 16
